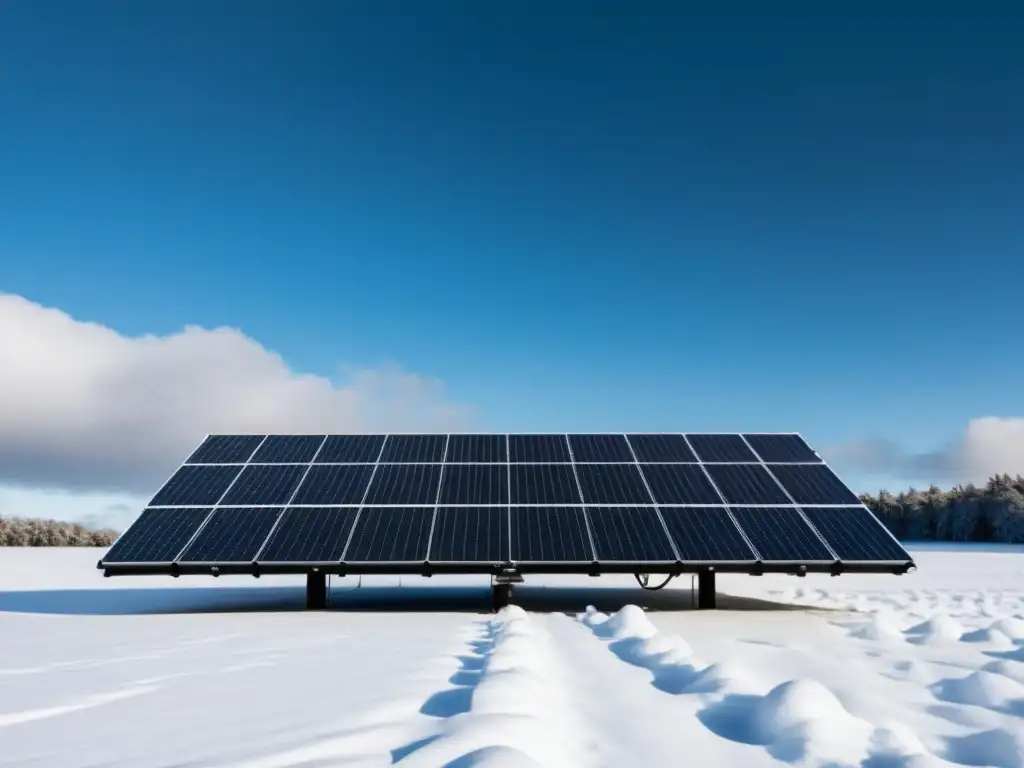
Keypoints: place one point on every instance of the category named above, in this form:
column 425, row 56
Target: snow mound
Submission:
column 989, row 636
column 998, row 747
column 723, row 676
column 1011, row 626
column 499, row 756
column 793, row 703
column 1006, row 668
column 982, row 689
column 896, row 739
column 881, row 627
column 629, row 621
column 939, row 628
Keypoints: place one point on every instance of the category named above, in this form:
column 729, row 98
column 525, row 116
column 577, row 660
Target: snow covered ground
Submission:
column 920, row 670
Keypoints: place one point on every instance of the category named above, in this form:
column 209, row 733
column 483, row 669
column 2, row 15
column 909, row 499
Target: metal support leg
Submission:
column 316, row 591
column 501, row 596
column 705, row 590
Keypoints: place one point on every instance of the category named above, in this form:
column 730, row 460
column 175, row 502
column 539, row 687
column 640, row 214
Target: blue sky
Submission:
column 595, row 217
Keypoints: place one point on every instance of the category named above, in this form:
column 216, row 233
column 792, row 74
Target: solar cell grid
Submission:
column 721, row 448
column 781, row 534
column 334, row 484
column 612, row 484
column 286, row 449
column 232, row 535
column 474, row 484
column 355, row 449
column 470, row 534
column 855, row 534
column 661, row 448
column 157, row 536
column 404, row 484
column 265, row 484
column 746, row 484
column 543, row 484
column 813, row 484
column 680, row 484
column 418, row 449
column 549, row 534
column 538, row 448
column 477, row 448
column 781, row 448
column 706, row 534
column 629, row 534
column 225, row 449
column 310, row 535
column 198, row 486
column 599, row 448
column 390, row 535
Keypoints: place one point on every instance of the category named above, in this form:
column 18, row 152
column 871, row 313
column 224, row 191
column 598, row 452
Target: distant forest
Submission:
column 966, row 513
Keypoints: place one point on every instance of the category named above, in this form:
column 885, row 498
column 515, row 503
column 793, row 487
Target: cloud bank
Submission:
column 988, row 446
column 84, row 408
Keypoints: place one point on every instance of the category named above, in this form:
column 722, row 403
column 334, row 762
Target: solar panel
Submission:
column 285, row 449
column 631, row 534
column 354, row 449
column 781, row 448
column 721, row 448
column 404, row 484
column 746, row 484
column 543, row 484
column 706, row 535
column 199, row 486
column 225, row 449
column 310, row 535
column 390, row 535
column 477, row 448
column 813, row 484
column 157, row 536
column 474, row 484
column 855, row 534
column 781, row 534
column 232, row 535
column 612, row 484
column 418, row 449
column 470, row 535
column 264, row 484
column 599, row 448
column 549, row 535
column 532, row 448
column 680, row 484
column 334, row 484
column 661, row 448
column 465, row 502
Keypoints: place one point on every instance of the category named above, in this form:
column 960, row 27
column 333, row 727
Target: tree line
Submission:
column 993, row 513
column 31, row 532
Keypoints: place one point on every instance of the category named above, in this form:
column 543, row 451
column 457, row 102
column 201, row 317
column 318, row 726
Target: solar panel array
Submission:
column 494, row 498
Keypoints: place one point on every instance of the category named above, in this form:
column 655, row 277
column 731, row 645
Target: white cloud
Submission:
column 85, row 408
column 989, row 445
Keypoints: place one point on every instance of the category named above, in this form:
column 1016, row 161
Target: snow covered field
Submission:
column 925, row 669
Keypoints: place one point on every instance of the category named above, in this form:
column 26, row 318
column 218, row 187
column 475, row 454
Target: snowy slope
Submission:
column 925, row 669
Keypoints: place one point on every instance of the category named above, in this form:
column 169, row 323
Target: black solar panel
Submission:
column 543, row 484
column 479, row 448
column 780, row 534
column 632, row 534
column 225, row 449
column 661, row 448
column 402, row 484
column 232, row 535
column 157, row 536
column 265, row 484
column 680, row 484
column 813, row 484
column 310, row 535
column 706, row 534
column 284, row 449
column 334, row 484
column 530, row 448
column 549, row 534
column 721, row 448
column 855, row 534
column 598, row 448
column 781, row 448
column 470, row 535
column 746, row 484
column 472, row 501
column 390, row 535
column 196, row 486
column 419, row 449
column 356, row 449
column 474, row 484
